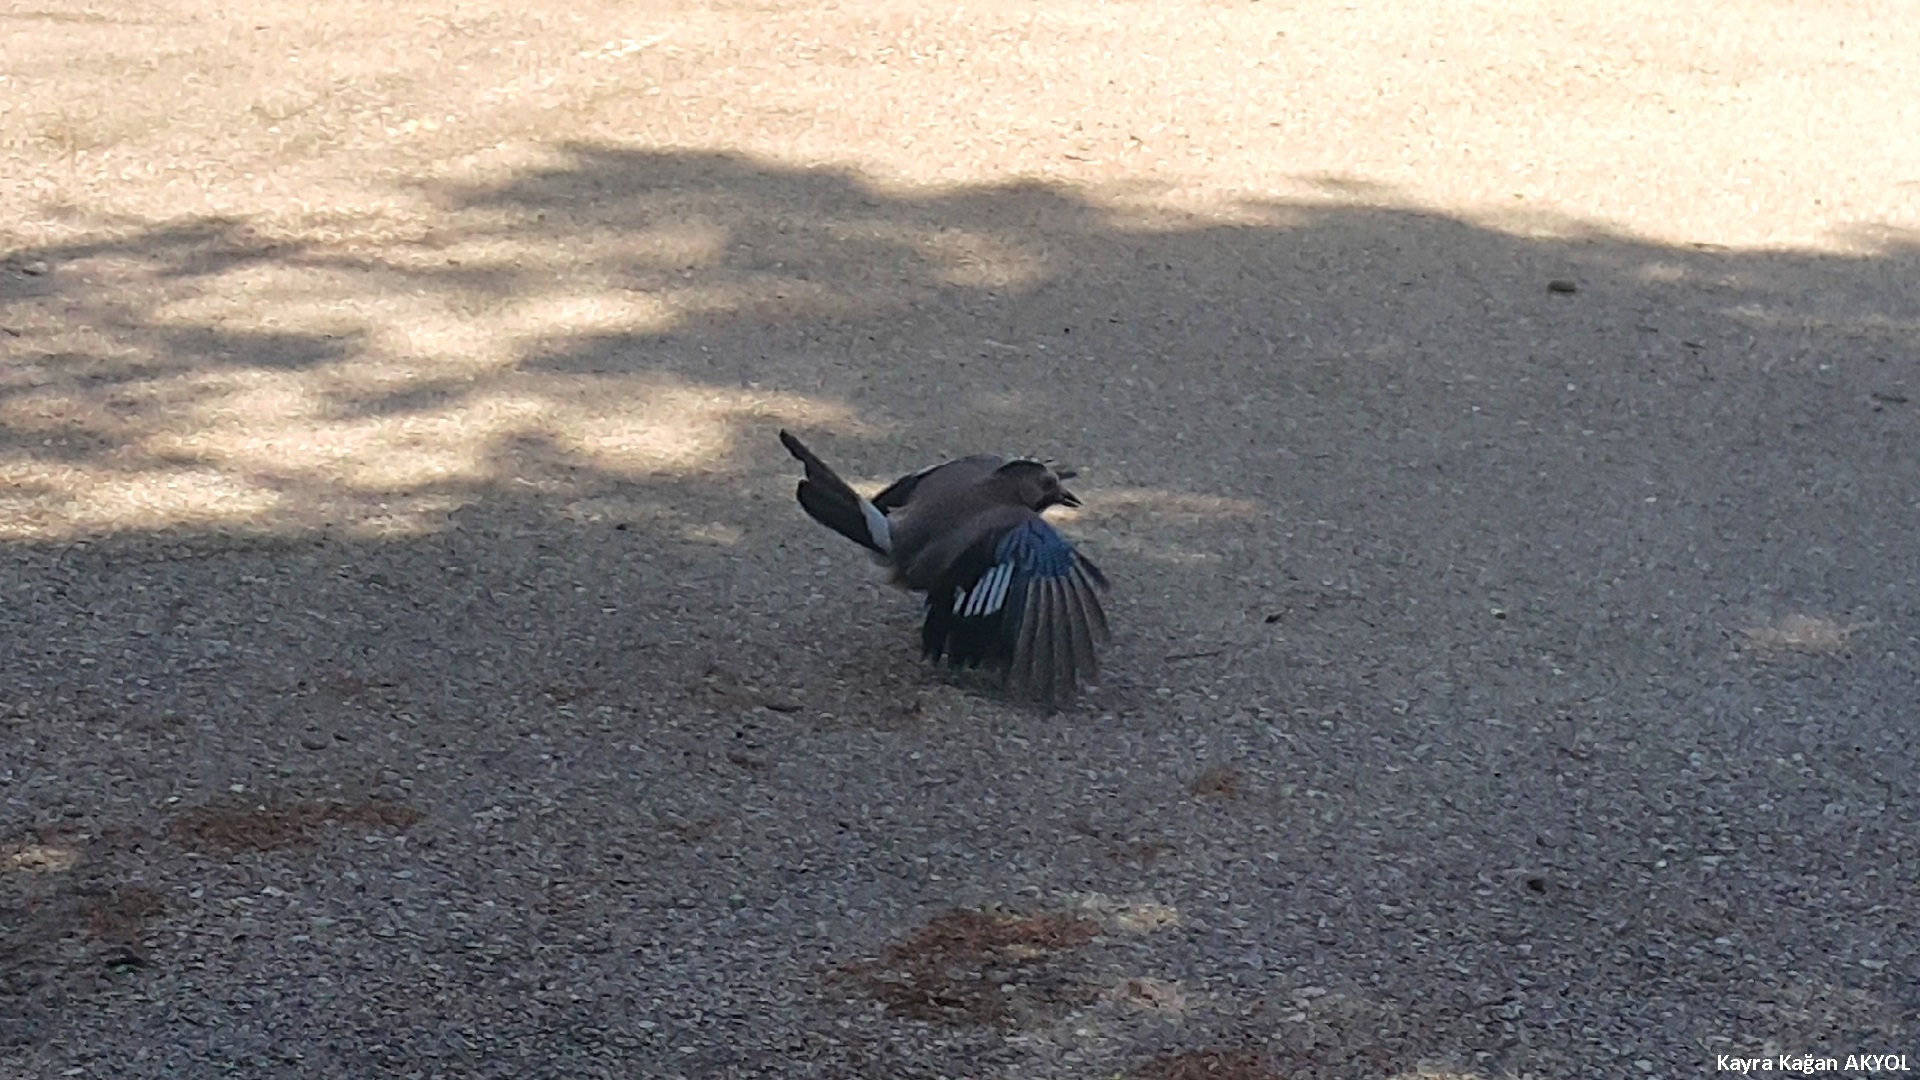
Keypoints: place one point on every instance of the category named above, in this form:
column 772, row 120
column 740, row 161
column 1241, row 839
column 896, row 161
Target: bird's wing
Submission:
column 1021, row 599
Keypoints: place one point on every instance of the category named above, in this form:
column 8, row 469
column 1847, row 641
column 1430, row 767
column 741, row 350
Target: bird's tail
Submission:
column 828, row 500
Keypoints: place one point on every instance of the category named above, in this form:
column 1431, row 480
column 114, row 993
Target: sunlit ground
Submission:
column 260, row 278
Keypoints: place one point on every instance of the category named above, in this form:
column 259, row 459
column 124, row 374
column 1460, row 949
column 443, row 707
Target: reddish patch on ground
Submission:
column 1219, row 782
column 264, row 827
column 1143, row 852
column 1208, row 1065
column 975, row 968
column 121, row 914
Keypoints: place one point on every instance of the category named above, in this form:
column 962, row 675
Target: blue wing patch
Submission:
column 1023, row 601
column 1029, row 551
column 1035, row 549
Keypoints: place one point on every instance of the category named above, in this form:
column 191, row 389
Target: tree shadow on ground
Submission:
column 1476, row 585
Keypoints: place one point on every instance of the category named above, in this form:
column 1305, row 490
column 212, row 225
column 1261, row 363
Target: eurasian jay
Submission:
column 1002, row 588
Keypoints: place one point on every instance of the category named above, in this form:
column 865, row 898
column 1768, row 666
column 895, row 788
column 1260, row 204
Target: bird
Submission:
column 1003, row 589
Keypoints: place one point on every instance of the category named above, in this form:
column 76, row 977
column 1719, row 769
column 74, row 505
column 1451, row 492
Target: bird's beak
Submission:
column 1068, row 498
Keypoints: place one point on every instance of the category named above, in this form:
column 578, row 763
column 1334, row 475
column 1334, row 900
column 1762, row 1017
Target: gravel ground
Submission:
column 1518, row 630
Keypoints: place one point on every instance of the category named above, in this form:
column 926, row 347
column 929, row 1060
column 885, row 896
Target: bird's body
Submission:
column 1003, row 588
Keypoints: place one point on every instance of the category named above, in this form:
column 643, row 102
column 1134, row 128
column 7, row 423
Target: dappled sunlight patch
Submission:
column 56, row 417
column 1802, row 633
column 673, row 229
column 396, row 516
column 62, row 501
column 354, row 443
column 598, row 312
column 618, row 424
column 634, row 425
column 278, row 297
column 714, row 533
column 337, row 372
column 1662, row 272
column 446, row 318
column 279, row 431
column 670, row 427
column 1127, row 916
column 1149, row 523
column 1173, row 506
column 38, row 858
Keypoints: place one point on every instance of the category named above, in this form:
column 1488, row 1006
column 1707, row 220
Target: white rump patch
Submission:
column 877, row 526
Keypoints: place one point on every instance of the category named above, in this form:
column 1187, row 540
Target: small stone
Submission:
column 1562, row 285
column 123, row 959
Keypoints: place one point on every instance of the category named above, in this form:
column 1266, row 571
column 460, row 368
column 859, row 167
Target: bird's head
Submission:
column 1038, row 486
